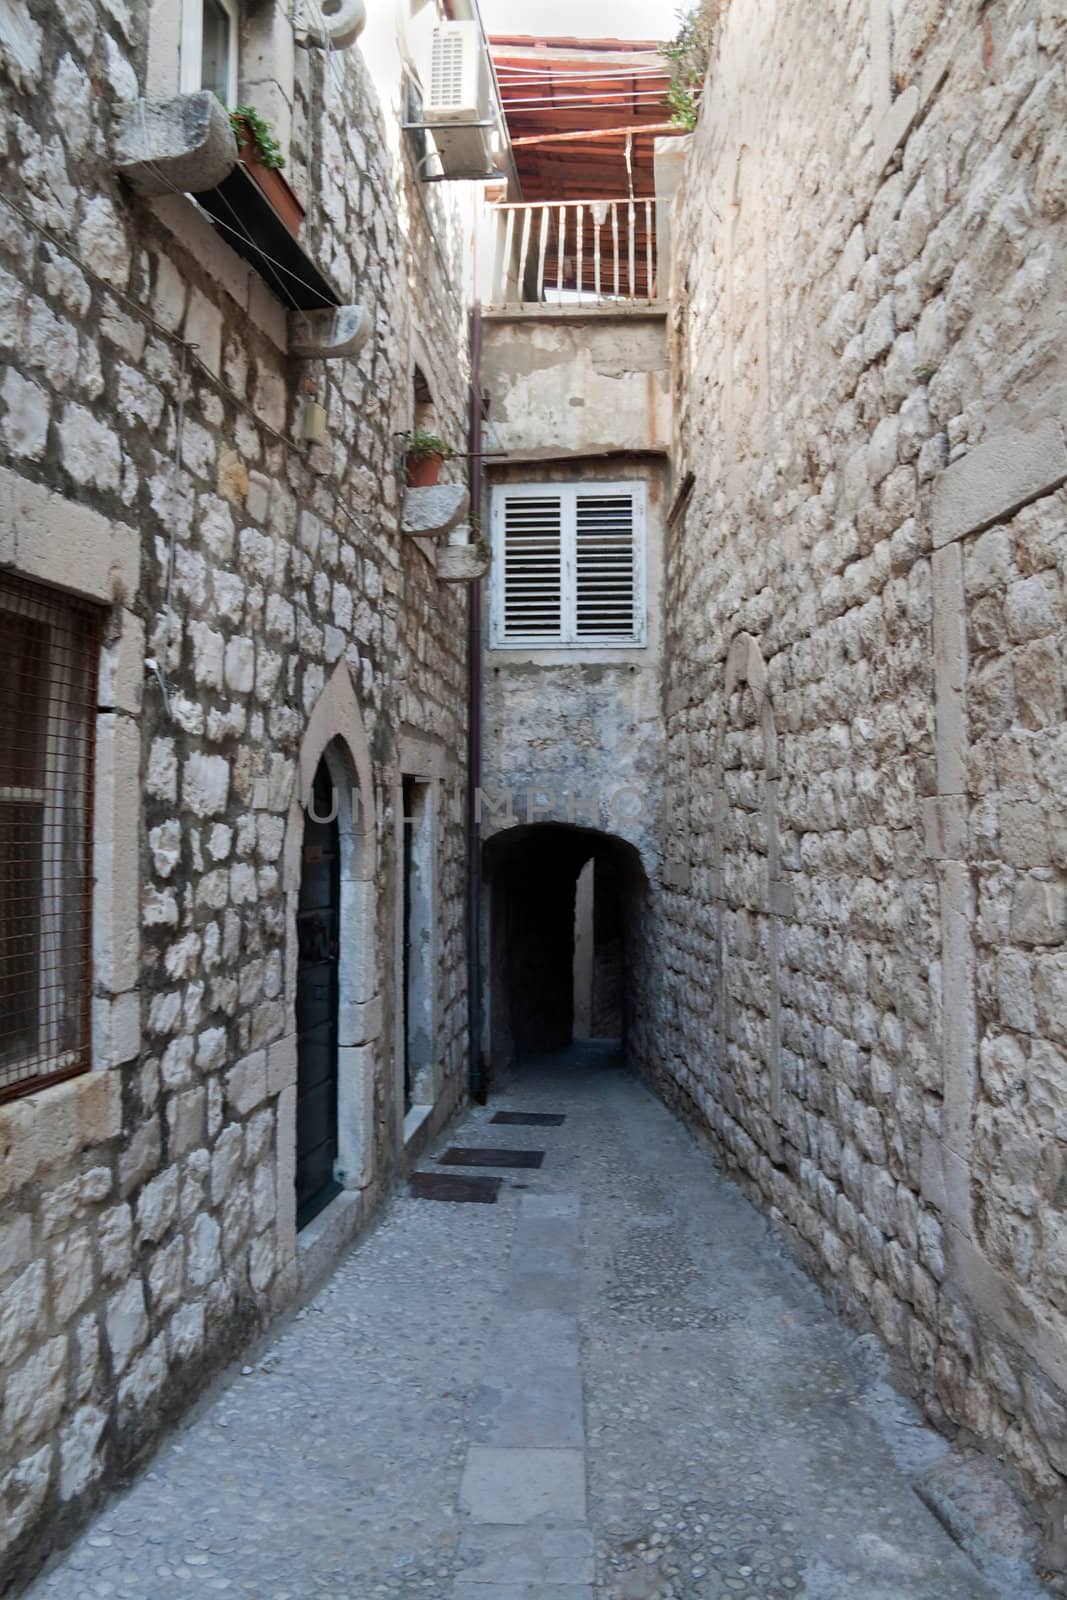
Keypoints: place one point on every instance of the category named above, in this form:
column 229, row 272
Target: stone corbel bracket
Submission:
column 184, row 143
column 329, row 335
column 332, row 24
column 462, row 560
column 430, row 512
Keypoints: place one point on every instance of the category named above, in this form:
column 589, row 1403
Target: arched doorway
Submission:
column 334, row 1002
column 318, row 924
column 566, row 908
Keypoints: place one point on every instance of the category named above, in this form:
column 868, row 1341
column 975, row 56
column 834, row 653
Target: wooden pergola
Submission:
column 572, row 108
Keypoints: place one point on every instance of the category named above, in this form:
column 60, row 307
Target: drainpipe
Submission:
column 478, row 1085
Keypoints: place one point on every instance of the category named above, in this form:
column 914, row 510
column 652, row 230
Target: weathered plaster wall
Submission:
column 564, row 384
column 146, row 1212
column 864, row 900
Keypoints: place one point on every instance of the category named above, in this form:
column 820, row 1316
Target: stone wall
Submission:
column 146, row 1208
column 863, row 993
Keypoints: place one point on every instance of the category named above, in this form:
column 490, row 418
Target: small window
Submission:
column 209, row 48
column 570, row 564
column 49, row 649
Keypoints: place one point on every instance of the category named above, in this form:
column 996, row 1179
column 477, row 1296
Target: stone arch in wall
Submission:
column 752, row 896
column 335, row 733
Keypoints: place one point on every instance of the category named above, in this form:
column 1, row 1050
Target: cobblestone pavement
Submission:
column 612, row 1383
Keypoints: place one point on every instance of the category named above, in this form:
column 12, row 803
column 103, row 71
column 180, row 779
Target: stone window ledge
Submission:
column 185, row 145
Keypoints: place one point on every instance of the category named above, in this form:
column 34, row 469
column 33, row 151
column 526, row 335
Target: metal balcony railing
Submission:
column 576, row 252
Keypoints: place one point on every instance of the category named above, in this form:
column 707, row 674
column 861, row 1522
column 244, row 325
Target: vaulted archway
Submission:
column 565, row 907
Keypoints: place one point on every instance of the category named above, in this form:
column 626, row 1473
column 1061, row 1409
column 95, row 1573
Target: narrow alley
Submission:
column 611, row 1381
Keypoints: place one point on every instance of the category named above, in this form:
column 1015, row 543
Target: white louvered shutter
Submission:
column 605, row 567
column 533, row 567
column 569, row 564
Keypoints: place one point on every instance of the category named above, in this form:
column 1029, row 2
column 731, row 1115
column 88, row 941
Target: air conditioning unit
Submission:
column 458, row 108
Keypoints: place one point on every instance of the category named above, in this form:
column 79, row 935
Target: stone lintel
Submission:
column 996, row 479
column 184, row 143
column 359, row 1022
column 958, row 1021
column 46, row 536
column 945, row 1181
column 894, row 125
column 950, row 670
column 329, row 335
column 433, row 511
column 945, row 827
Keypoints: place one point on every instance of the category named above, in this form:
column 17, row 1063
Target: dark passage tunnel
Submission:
column 565, row 905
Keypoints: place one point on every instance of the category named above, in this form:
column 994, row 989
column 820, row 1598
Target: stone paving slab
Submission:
column 546, row 1233
column 541, row 1410
column 544, row 1291
column 526, row 1555
column 527, row 1257
column 550, row 1205
column 525, row 1341
column 522, row 1591
column 504, row 1486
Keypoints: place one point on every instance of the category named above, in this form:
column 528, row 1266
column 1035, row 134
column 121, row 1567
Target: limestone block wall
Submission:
column 861, row 917
column 146, row 1208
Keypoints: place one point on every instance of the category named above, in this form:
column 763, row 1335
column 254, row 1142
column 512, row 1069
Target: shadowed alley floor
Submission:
column 611, row 1383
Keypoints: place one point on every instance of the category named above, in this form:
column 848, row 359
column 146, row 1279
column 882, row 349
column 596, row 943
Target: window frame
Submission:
column 58, row 773
column 569, row 494
column 192, row 48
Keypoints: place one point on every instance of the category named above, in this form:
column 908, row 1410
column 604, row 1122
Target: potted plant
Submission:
column 261, row 156
column 425, row 454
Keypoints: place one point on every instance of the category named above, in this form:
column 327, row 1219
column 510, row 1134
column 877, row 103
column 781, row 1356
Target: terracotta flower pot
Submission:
column 271, row 184
column 423, row 471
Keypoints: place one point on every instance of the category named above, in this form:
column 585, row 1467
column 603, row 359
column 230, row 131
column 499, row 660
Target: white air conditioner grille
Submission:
column 446, row 69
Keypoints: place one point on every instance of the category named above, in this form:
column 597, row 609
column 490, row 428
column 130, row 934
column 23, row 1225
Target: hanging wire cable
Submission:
column 217, row 222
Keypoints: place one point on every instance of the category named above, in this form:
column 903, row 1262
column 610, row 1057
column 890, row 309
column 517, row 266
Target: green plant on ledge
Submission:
column 422, row 443
column 688, row 54
column 246, row 122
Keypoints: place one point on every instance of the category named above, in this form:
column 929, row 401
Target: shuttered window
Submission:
column 569, row 564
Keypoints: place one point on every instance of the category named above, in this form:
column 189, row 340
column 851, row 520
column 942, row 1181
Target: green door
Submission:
column 318, row 935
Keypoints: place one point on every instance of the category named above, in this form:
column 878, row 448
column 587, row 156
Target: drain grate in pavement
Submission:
column 451, row 1186
column 490, row 1156
column 530, row 1119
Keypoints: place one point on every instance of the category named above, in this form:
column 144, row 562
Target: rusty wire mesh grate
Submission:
column 49, row 650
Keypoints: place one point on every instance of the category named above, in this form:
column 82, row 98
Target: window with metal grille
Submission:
column 49, row 649
column 569, row 564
